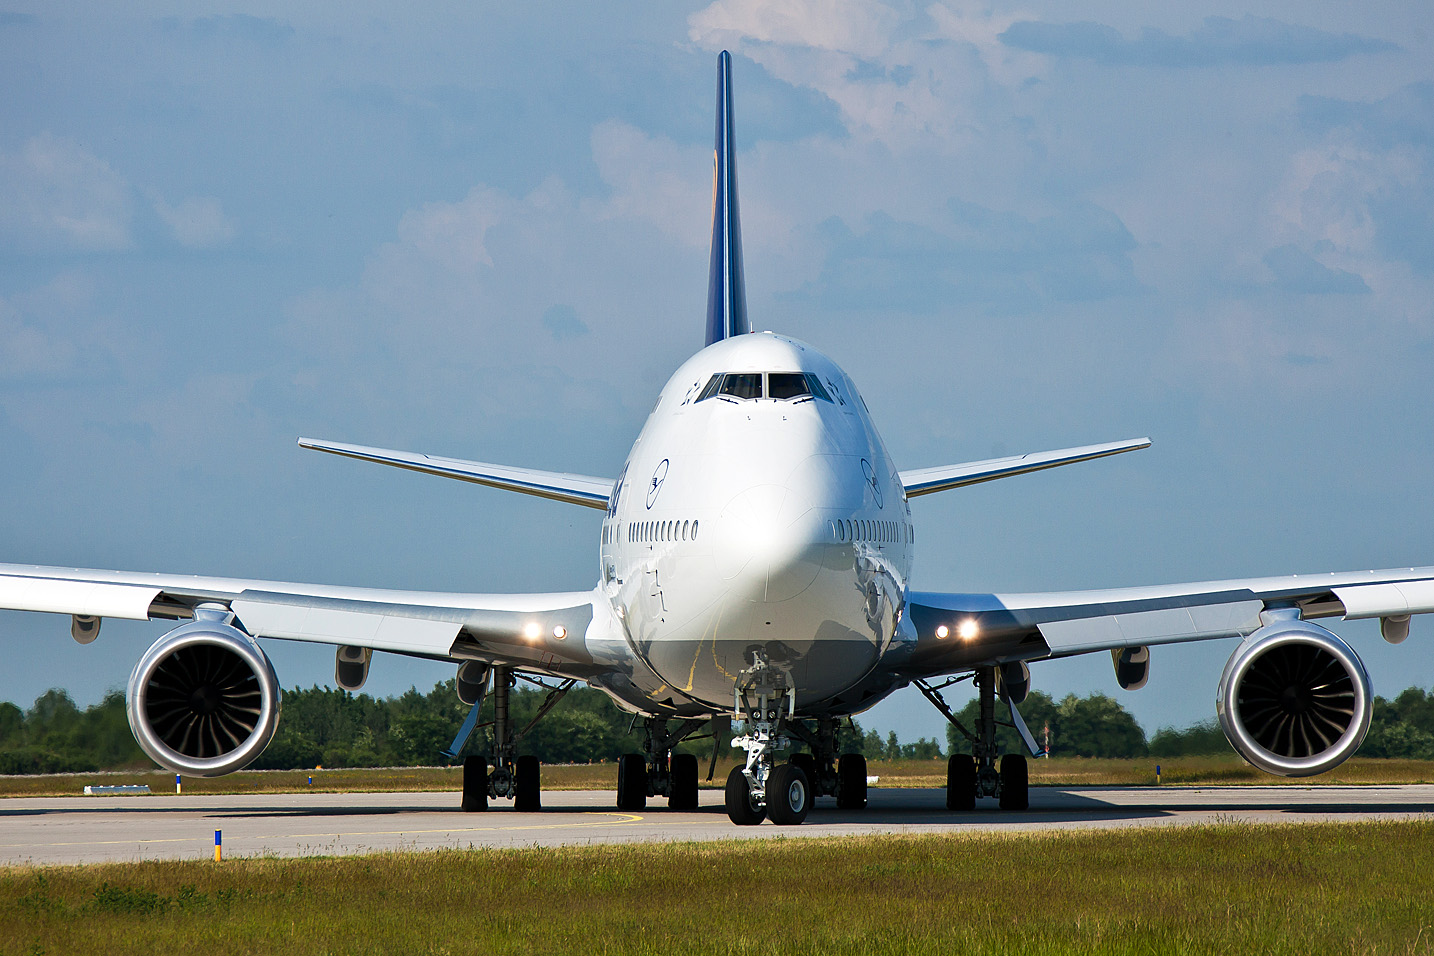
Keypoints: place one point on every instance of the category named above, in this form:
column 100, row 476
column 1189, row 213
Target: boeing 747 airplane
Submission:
column 754, row 564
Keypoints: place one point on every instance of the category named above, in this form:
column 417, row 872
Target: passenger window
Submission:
column 742, row 384
column 787, row 385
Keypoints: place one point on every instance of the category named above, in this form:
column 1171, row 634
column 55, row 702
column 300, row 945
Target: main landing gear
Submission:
column 658, row 772
column 973, row 775
column 784, row 792
column 512, row 777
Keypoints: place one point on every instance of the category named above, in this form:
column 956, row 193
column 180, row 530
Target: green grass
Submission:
column 1065, row 771
column 1321, row 888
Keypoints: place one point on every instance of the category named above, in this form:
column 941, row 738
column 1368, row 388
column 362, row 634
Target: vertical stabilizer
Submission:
column 726, row 290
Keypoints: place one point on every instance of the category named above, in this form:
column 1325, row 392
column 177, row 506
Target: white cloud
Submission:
column 454, row 234
column 55, row 194
column 653, row 180
column 860, row 28
column 197, row 222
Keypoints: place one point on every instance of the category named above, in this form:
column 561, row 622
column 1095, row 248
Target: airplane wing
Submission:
column 573, row 489
column 924, row 481
column 539, row 631
column 956, row 631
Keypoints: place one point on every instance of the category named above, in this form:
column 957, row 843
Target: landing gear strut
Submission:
column 969, row 776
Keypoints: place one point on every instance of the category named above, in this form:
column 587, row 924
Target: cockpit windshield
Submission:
column 779, row 386
column 742, row 385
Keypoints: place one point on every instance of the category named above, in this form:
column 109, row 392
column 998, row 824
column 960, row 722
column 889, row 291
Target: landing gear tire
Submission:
column 808, row 763
column 961, row 782
column 527, row 785
column 682, row 783
column 631, row 782
column 789, row 794
column 1015, row 783
column 475, row 784
column 740, row 808
column 851, row 782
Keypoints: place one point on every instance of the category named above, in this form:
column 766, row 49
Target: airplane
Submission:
column 754, row 565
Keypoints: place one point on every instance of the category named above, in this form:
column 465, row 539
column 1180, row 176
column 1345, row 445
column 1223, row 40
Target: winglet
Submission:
column 726, row 290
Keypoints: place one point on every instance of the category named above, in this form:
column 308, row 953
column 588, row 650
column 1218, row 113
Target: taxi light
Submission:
column 531, row 631
column 968, row 629
column 560, row 632
column 943, row 632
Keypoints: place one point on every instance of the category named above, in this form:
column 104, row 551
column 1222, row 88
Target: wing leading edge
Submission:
column 961, row 630
column 558, row 486
column 542, row 631
column 925, row 481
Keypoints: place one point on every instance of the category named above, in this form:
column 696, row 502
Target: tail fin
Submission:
column 726, row 290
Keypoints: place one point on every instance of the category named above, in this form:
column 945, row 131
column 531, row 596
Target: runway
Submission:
column 46, row 830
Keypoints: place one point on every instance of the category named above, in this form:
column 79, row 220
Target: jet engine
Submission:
column 1294, row 699
column 203, row 700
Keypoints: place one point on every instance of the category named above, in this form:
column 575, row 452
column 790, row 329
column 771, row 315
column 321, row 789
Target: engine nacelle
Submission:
column 1294, row 699
column 203, row 700
column 1015, row 681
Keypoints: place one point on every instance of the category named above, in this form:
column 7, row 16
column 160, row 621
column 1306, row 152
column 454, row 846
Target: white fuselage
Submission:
column 772, row 525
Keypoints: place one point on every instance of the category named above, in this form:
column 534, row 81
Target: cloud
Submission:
column 1249, row 41
column 861, row 28
column 260, row 31
column 1371, row 178
column 976, row 255
column 1299, row 272
column 56, row 195
column 197, row 222
column 562, row 322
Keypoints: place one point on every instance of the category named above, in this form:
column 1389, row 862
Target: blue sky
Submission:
column 480, row 230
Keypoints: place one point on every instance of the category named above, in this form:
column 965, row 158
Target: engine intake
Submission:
column 1294, row 699
column 203, row 700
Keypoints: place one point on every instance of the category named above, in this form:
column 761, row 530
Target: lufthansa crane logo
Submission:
column 871, row 483
column 655, row 485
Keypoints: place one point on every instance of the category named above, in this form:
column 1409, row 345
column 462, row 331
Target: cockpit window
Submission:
column 710, row 388
column 780, row 386
column 787, row 385
column 815, row 384
column 742, row 385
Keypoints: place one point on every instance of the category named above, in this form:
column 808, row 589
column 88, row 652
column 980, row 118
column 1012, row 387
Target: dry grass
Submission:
column 1066, row 771
column 1327, row 888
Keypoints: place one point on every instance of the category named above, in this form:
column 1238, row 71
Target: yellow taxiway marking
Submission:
column 622, row 819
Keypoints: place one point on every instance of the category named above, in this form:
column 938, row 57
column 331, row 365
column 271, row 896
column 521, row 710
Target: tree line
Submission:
column 334, row 728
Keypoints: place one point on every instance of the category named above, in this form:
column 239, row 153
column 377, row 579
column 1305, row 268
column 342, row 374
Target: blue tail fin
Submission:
column 726, row 290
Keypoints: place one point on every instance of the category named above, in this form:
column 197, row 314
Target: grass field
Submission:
column 1315, row 888
column 1070, row 771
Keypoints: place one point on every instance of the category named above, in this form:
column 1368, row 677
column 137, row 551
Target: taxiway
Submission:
column 49, row 830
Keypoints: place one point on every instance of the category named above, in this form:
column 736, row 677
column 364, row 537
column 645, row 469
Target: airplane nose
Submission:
column 768, row 544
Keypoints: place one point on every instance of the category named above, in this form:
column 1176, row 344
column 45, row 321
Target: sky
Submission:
column 480, row 230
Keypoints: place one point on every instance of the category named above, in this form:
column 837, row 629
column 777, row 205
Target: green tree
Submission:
column 1094, row 726
column 1198, row 740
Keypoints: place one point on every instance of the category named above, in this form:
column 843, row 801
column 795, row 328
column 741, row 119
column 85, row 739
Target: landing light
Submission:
column 560, row 632
column 968, row 629
column 531, row 631
column 943, row 632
